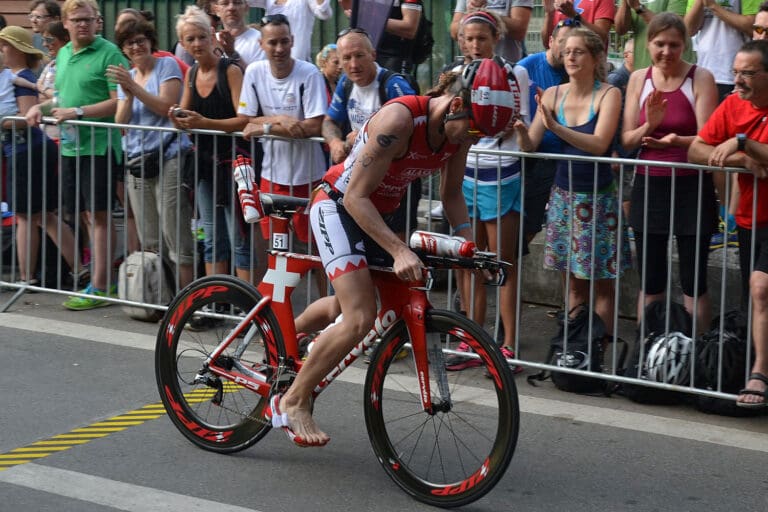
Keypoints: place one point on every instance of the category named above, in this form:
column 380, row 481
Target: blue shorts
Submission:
column 494, row 199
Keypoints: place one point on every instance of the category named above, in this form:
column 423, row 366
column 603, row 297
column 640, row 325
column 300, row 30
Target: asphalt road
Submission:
column 79, row 404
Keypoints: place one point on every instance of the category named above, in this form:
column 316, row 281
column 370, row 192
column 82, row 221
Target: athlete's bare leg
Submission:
column 355, row 293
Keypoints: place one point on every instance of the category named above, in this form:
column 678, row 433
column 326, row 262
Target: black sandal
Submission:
column 747, row 391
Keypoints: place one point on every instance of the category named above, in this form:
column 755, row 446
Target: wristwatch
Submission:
column 640, row 9
column 79, row 112
column 741, row 141
column 266, row 128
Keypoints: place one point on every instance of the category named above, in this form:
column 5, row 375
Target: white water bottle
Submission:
column 437, row 244
column 245, row 177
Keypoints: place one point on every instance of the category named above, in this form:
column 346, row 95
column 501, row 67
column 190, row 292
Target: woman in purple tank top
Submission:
column 666, row 106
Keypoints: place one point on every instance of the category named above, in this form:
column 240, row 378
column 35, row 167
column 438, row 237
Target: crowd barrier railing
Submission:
column 233, row 245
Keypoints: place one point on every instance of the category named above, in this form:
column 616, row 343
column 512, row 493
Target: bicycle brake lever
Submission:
column 429, row 280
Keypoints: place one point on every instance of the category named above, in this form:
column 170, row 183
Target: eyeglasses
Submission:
column 49, row 40
column 277, row 19
column 138, row 42
column 568, row 22
column 38, row 17
column 759, row 29
column 82, row 21
column 576, row 52
column 351, row 30
column 747, row 74
column 233, row 3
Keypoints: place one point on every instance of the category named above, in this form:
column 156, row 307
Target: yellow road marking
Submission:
column 80, row 436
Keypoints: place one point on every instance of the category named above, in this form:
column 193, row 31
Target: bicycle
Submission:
column 444, row 438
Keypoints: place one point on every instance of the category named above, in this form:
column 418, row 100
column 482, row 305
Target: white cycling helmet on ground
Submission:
column 668, row 358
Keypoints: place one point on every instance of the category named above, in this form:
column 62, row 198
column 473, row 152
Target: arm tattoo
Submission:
column 331, row 130
column 386, row 140
column 367, row 160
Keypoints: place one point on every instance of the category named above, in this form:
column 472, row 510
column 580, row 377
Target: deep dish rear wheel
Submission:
column 214, row 413
column 457, row 454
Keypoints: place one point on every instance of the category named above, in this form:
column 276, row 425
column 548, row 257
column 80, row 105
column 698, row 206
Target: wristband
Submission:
column 461, row 226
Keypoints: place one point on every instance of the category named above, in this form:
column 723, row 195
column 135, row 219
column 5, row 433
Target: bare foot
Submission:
column 303, row 425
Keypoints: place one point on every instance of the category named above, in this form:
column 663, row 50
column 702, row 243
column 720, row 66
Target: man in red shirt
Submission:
column 736, row 135
column 596, row 15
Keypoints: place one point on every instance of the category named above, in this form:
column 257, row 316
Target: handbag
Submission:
column 147, row 165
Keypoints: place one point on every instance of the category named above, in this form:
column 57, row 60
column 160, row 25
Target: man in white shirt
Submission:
column 286, row 97
column 720, row 29
column 301, row 15
column 353, row 103
column 363, row 88
column 239, row 41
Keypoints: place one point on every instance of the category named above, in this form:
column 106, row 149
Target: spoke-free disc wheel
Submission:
column 212, row 412
column 459, row 452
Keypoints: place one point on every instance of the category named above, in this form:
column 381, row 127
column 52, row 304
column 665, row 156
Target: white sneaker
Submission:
column 437, row 211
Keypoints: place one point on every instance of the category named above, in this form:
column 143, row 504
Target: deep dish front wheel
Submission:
column 458, row 453
column 212, row 412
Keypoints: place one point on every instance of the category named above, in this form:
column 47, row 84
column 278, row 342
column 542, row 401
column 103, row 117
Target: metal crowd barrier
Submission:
column 55, row 278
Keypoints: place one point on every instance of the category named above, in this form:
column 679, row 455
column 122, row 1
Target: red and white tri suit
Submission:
column 341, row 243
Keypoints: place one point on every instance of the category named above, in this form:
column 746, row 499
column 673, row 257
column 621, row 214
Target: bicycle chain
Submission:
column 281, row 371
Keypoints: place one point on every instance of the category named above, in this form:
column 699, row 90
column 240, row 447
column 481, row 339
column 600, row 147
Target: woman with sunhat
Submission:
column 26, row 150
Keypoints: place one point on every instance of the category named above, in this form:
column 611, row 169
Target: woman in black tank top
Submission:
column 209, row 102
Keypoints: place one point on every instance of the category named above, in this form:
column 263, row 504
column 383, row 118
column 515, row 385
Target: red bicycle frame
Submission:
column 398, row 299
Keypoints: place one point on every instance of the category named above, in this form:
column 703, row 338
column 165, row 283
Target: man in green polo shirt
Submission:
column 87, row 153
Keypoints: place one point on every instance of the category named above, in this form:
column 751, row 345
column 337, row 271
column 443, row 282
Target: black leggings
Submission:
column 656, row 262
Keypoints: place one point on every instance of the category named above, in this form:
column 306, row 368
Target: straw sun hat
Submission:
column 20, row 38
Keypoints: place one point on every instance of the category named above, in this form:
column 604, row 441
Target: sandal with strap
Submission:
column 747, row 391
column 279, row 419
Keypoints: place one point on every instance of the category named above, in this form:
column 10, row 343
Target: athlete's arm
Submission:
column 389, row 134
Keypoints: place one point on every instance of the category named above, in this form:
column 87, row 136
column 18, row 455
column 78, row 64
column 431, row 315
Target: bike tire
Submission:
column 237, row 422
column 452, row 457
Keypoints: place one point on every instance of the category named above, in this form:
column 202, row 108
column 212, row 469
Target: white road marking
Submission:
column 109, row 493
column 640, row 422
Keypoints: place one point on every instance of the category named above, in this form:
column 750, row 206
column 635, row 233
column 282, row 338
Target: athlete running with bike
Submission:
column 409, row 138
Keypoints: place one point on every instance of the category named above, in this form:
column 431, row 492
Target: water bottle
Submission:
column 437, row 244
column 245, row 177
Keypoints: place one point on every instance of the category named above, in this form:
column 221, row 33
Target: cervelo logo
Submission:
column 380, row 326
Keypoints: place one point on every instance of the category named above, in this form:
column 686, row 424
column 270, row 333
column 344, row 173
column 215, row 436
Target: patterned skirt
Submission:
column 571, row 218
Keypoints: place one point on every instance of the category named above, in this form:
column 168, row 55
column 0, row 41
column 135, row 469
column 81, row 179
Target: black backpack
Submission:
column 581, row 352
column 731, row 354
column 655, row 325
column 423, row 42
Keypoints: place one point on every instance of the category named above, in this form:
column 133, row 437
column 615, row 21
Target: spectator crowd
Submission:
column 692, row 87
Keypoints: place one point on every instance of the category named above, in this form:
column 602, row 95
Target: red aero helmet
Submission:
column 490, row 95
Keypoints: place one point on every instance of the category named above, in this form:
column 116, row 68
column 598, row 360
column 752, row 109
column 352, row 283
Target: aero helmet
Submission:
column 491, row 98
